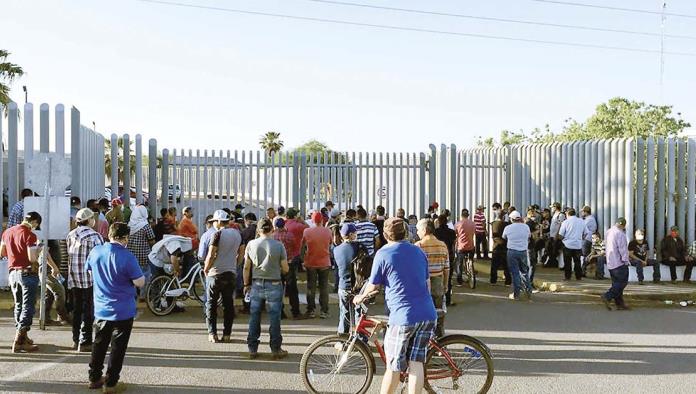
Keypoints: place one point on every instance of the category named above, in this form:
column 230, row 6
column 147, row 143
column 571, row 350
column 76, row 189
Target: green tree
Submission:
column 506, row 138
column 108, row 162
column 8, row 73
column 271, row 142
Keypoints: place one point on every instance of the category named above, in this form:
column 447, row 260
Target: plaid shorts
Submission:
column 407, row 343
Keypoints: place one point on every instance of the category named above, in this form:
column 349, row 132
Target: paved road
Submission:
column 558, row 343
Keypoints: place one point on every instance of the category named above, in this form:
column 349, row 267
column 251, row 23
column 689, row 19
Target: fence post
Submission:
column 432, row 173
column 165, row 179
column 421, row 175
column 152, row 177
column 43, row 128
column 691, row 191
column 126, row 169
column 650, row 194
column 138, row 169
column 114, row 167
column 28, row 138
column 75, row 154
column 60, row 129
column 628, row 189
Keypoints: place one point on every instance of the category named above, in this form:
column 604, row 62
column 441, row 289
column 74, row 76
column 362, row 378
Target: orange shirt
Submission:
column 189, row 230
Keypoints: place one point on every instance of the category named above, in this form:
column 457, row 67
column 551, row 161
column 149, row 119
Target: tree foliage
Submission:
column 271, row 142
column 8, row 73
column 617, row 118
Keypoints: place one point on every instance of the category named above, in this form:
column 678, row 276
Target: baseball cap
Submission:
column 281, row 210
column 621, row 221
column 84, row 214
column 279, row 222
column 292, row 213
column 239, row 206
column 33, row 216
column 116, row 202
column 335, row 213
column 674, row 228
column 514, row 215
column 347, row 229
column 317, row 217
column 220, row 215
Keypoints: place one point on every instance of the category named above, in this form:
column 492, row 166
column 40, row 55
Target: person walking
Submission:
column 81, row 241
column 296, row 227
column 481, row 231
column 18, row 245
column 402, row 269
column 220, row 270
column 617, row 262
column 116, row 273
column 517, row 235
column 438, row 266
column 572, row 233
column 316, row 244
column 265, row 261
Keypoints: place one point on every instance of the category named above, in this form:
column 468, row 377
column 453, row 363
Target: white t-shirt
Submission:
column 517, row 235
column 573, row 232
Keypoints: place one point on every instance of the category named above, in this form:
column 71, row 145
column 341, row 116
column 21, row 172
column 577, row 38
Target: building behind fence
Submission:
column 650, row 182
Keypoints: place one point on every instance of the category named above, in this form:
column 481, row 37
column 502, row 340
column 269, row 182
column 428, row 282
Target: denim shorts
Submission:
column 407, row 343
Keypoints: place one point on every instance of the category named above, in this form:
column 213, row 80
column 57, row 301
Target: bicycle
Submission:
column 164, row 290
column 344, row 363
column 468, row 268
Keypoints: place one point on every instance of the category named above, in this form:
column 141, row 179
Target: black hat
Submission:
column 239, row 206
column 33, row 216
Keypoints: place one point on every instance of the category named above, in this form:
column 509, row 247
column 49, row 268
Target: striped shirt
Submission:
column 436, row 251
column 367, row 232
column 16, row 214
column 81, row 241
column 480, row 222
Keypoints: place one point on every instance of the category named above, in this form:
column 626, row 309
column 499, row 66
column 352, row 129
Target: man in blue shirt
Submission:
column 116, row 273
column 402, row 268
column 344, row 255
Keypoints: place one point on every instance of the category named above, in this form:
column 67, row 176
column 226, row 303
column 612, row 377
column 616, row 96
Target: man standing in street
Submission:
column 116, row 273
column 81, row 241
column 368, row 234
column 17, row 242
column 296, row 227
column 617, row 262
column 590, row 228
column 572, row 233
column 481, row 232
column 499, row 258
column 265, row 261
column 402, row 269
column 517, row 235
column 438, row 266
column 221, row 274
column 316, row 244
column 466, row 230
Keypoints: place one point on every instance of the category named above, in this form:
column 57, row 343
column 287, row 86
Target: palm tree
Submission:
column 8, row 73
column 120, row 164
column 271, row 142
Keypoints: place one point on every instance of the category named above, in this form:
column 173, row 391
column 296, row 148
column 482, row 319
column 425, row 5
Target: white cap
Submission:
column 220, row 215
column 335, row 213
column 514, row 215
column 84, row 214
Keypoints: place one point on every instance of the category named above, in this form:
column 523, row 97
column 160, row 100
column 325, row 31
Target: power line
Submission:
column 413, row 29
column 604, row 7
column 504, row 20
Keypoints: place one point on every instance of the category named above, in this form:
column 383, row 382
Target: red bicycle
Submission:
column 346, row 364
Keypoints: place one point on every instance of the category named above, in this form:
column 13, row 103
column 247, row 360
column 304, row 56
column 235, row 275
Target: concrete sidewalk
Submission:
column 552, row 280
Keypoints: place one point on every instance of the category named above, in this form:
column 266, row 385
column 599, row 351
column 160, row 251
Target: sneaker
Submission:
column 512, row 297
column 323, row 315
column 98, row 384
column 606, row 302
column 253, row 355
column 280, row 354
column 213, row 338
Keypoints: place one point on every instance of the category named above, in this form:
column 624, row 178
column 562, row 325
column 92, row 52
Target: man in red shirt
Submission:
column 24, row 276
column 465, row 229
column 316, row 244
column 295, row 226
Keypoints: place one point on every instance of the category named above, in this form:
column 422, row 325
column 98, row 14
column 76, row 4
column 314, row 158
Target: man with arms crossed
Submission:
column 402, row 268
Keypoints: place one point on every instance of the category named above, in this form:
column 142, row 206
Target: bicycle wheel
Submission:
column 198, row 287
column 471, row 268
column 157, row 302
column 462, row 364
column 320, row 365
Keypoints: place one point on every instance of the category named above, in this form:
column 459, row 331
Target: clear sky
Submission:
column 199, row 78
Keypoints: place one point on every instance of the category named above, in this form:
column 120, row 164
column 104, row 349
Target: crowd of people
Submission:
column 114, row 251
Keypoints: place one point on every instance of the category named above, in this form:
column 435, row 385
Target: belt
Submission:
column 23, row 270
column 271, row 281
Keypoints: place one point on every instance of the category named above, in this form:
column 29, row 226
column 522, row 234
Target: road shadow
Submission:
column 81, row 387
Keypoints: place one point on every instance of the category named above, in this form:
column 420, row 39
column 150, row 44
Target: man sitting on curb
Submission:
column 673, row 254
column 638, row 251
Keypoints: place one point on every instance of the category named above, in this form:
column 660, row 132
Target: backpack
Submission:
column 362, row 267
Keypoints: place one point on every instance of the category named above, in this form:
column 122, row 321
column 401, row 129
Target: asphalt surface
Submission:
column 556, row 343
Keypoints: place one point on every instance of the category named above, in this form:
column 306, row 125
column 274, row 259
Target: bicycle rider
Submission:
column 466, row 247
column 402, row 268
column 170, row 250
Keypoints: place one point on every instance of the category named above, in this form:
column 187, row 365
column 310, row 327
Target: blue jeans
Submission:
column 343, row 312
column 272, row 293
column 519, row 270
column 639, row 269
column 24, row 287
column 619, row 280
